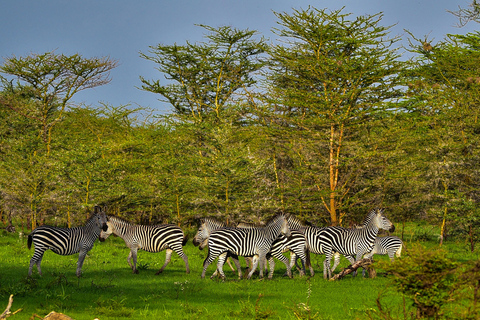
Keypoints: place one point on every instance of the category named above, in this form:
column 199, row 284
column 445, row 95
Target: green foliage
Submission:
column 207, row 77
column 426, row 277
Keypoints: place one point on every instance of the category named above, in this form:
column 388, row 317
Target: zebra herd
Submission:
column 280, row 234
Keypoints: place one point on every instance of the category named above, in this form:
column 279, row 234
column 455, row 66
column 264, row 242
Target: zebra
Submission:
column 245, row 242
column 156, row 238
column 311, row 235
column 294, row 243
column 207, row 225
column 352, row 242
column 390, row 245
column 67, row 241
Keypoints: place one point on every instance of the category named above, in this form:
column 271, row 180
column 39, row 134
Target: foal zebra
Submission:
column 67, row 241
column 352, row 242
column 245, row 242
column 157, row 238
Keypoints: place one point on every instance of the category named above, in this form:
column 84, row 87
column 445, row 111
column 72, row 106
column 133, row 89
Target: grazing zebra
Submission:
column 156, row 238
column 207, row 225
column 352, row 242
column 67, row 241
column 245, row 242
column 390, row 245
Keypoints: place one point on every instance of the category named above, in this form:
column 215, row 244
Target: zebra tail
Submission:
column 185, row 239
column 29, row 242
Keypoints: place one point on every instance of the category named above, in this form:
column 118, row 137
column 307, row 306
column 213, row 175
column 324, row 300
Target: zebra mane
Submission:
column 212, row 220
column 275, row 218
column 249, row 225
column 296, row 221
column 119, row 219
column 371, row 215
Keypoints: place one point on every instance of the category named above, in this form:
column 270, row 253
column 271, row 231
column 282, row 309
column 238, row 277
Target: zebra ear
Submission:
column 97, row 209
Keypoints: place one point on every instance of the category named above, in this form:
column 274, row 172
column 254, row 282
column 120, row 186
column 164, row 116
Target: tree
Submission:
column 208, row 84
column 329, row 77
column 52, row 80
column 445, row 85
column 206, row 77
column 40, row 97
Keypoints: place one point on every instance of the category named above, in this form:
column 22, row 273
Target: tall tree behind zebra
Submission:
column 156, row 238
column 245, row 242
column 352, row 242
column 67, row 241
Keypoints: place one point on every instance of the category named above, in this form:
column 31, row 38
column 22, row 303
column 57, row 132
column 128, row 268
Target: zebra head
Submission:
column 207, row 225
column 377, row 218
column 101, row 220
column 279, row 222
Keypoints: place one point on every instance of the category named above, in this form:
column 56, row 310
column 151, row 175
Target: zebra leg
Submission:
column 133, row 255
column 327, row 272
column 168, row 257
column 230, row 264
column 81, row 259
column 302, row 256
column 36, row 259
column 271, row 262
column 210, row 257
column 308, row 263
column 182, row 255
column 283, row 259
column 367, row 256
column 216, row 270
column 220, row 263
column 254, row 267
column 262, row 260
column 237, row 265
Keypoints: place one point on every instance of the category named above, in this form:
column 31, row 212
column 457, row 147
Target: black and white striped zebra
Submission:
column 311, row 244
column 352, row 242
column 247, row 242
column 390, row 245
column 155, row 238
column 207, row 225
column 295, row 243
column 67, row 241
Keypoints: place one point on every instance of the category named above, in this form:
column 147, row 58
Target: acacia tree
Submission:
column 329, row 76
column 38, row 89
column 206, row 77
column 207, row 83
column 52, row 80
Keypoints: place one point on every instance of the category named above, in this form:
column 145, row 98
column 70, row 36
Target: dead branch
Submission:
column 365, row 263
column 7, row 313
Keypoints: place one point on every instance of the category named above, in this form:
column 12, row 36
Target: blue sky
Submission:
column 121, row 29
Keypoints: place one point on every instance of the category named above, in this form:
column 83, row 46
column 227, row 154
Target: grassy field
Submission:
column 108, row 289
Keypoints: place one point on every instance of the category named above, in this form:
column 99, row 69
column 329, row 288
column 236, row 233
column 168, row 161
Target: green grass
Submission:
column 108, row 289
